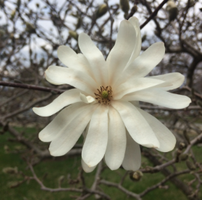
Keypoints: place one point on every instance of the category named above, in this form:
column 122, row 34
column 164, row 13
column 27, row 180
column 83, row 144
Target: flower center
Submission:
column 104, row 95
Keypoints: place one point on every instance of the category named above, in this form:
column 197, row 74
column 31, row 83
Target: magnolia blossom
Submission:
column 104, row 106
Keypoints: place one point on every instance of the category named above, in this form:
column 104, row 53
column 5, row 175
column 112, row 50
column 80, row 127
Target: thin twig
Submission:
column 153, row 14
column 31, row 87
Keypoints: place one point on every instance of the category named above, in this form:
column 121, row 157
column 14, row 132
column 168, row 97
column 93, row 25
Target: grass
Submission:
column 50, row 171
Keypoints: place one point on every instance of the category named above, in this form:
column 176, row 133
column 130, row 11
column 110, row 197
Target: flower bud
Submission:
column 172, row 10
column 102, row 10
column 190, row 165
column 79, row 22
column 30, row 28
column 14, row 184
column 125, row 5
column 134, row 9
column 182, row 145
column 13, row 14
column 136, row 176
column 73, row 34
column 184, row 157
column 10, row 170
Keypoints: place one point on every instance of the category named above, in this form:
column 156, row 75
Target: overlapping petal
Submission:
column 61, row 75
column 87, row 99
column 67, row 139
column 95, row 58
column 159, row 97
column 116, row 145
column 132, row 158
column 138, row 42
column 136, row 124
column 144, row 63
column 96, row 140
column 68, row 57
column 66, row 98
column 73, row 60
column 165, row 137
column 60, row 122
column 122, row 51
column 171, row 80
column 134, row 85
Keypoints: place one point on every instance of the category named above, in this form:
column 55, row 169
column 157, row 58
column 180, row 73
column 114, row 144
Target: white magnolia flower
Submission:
column 105, row 101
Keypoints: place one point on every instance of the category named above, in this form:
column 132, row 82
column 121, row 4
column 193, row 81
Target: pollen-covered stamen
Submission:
column 104, row 95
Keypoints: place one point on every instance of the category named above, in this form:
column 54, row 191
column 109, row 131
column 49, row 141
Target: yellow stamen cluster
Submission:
column 104, row 95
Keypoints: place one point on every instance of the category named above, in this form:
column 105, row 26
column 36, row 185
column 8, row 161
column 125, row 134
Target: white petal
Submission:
column 86, row 99
column 135, row 103
column 64, row 143
column 96, row 140
column 60, row 122
column 73, row 60
column 122, row 50
column 165, row 137
column 61, row 75
column 172, row 80
column 138, row 43
column 63, row 100
column 86, row 168
column 132, row 159
column 159, row 97
column 116, row 142
column 144, row 63
column 68, row 57
column 85, row 132
column 135, row 84
column 95, row 58
column 136, row 124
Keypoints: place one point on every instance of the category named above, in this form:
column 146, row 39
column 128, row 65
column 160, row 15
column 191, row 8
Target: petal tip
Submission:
column 35, row 110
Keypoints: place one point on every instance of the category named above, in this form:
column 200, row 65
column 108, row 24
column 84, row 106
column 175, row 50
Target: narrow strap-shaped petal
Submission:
column 132, row 158
column 116, row 140
column 64, row 143
column 68, row 57
column 136, row 124
column 135, row 84
column 144, row 63
column 63, row 100
column 165, row 137
column 138, row 43
column 96, row 140
column 61, row 75
column 95, row 58
column 73, row 60
column 86, row 168
column 60, row 122
column 122, row 50
column 171, row 80
column 159, row 97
